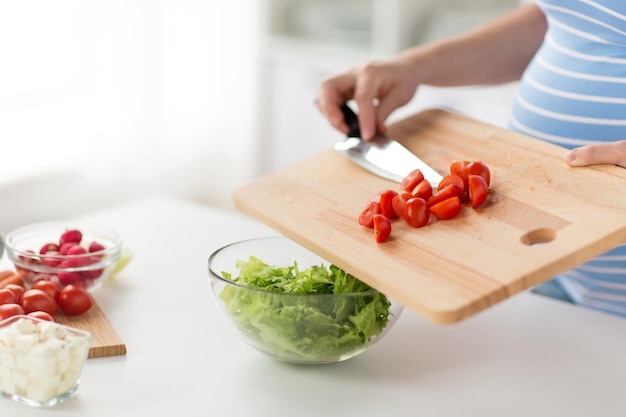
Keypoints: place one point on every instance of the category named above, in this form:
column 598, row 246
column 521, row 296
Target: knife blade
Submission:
column 382, row 156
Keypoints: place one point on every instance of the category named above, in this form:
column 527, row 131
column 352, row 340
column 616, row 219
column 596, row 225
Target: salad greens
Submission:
column 284, row 319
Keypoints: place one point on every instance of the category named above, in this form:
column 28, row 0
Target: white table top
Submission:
column 527, row 356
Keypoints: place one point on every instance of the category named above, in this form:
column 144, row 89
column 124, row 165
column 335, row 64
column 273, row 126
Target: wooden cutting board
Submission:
column 105, row 341
column 452, row 269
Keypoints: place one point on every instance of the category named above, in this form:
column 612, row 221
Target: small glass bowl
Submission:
column 40, row 361
column 89, row 270
column 295, row 328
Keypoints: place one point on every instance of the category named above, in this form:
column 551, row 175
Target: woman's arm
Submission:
column 495, row 53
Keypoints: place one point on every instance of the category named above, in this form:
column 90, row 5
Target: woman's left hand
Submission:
column 599, row 153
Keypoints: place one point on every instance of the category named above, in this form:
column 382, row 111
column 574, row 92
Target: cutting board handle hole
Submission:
column 538, row 237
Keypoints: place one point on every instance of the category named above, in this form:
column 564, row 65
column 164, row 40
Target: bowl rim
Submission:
column 218, row 276
column 81, row 335
column 111, row 235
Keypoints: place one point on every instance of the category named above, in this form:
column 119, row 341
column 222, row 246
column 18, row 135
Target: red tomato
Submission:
column 366, row 218
column 424, row 190
column 37, row 300
column 416, row 212
column 49, row 287
column 398, row 203
column 10, row 310
column 41, row 315
column 457, row 167
column 455, row 180
column 7, row 297
column 386, row 203
column 447, row 209
column 412, row 180
column 382, row 228
column 74, row 300
column 445, row 193
column 478, row 168
column 477, row 190
column 18, row 290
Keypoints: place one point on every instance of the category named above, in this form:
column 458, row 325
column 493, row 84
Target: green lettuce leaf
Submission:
column 300, row 326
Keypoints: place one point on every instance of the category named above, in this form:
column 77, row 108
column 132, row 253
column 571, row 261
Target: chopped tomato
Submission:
column 458, row 167
column 455, row 180
column 423, row 190
column 416, row 212
column 386, row 203
column 478, row 190
column 412, row 180
column 366, row 218
column 382, row 227
column 478, row 168
column 446, row 209
column 445, row 193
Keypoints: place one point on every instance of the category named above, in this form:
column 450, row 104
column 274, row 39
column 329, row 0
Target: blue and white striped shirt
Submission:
column 573, row 93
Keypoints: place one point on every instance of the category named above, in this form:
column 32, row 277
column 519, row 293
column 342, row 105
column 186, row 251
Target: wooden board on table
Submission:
column 452, row 269
column 105, row 341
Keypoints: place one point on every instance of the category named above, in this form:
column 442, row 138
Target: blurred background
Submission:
column 101, row 102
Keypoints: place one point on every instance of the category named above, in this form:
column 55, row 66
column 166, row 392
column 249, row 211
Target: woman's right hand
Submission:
column 377, row 87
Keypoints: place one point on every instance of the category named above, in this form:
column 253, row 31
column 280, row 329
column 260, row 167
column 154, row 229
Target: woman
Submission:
column 570, row 58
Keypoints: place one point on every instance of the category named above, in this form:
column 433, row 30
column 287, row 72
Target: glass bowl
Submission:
column 40, row 361
column 39, row 252
column 298, row 327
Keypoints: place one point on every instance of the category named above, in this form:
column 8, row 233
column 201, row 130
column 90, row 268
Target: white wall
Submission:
column 103, row 100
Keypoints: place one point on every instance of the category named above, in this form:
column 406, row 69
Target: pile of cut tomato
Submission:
column 467, row 183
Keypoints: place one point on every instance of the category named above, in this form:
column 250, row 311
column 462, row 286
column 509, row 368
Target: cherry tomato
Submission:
column 18, row 290
column 74, row 300
column 458, row 168
column 416, row 212
column 366, row 217
column 455, row 180
column 41, row 315
column 386, row 203
column 446, row 209
column 382, row 227
column 8, row 297
column 477, row 190
column 37, row 300
column 49, row 287
column 445, row 193
column 398, row 203
column 424, row 190
column 10, row 310
column 478, row 168
column 412, row 180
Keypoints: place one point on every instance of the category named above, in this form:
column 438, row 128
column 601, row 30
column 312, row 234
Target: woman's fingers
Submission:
column 600, row 153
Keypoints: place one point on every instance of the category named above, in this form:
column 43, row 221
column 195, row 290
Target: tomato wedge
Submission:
column 423, row 190
column 386, row 203
column 398, row 203
column 366, row 217
column 416, row 212
column 455, row 180
column 412, row 180
column 445, row 193
column 457, row 167
column 478, row 168
column 478, row 190
column 382, row 228
column 446, row 209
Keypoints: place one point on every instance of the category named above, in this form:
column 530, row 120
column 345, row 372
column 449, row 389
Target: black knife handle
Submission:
column 352, row 120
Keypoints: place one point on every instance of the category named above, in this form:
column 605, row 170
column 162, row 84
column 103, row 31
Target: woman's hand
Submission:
column 599, row 153
column 378, row 88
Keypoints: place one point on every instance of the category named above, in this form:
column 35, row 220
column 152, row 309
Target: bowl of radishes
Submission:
column 64, row 252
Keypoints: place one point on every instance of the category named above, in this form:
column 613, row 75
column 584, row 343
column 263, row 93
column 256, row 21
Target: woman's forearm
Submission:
column 496, row 53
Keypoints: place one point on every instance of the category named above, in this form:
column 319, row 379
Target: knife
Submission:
column 382, row 156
